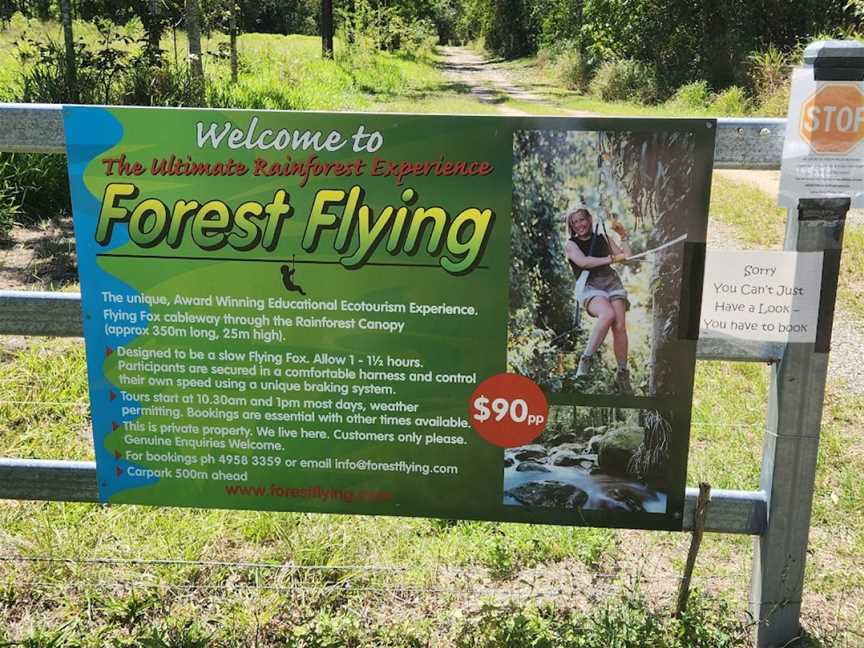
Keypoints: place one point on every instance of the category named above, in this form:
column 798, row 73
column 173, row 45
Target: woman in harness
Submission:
column 603, row 295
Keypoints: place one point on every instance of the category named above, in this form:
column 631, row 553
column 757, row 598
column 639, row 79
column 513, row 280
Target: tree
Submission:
column 327, row 28
column 153, row 26
column 193, row 33
column 655, row 170
column 69, row 40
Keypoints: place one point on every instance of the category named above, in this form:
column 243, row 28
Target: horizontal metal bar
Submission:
column 739, row 350
column 730, row 511
column 59, row 315
column 743, row 143
column 32, row 128
column 748, row 143
column 75, row 481
column 54, row 481
column 40, row 313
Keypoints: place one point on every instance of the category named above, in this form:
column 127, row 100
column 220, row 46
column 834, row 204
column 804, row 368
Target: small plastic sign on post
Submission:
column 823, row 151
column 376, row 313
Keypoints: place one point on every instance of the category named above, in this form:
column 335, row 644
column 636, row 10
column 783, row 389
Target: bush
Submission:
column 571, row 70
column 625, row 80
column 768, row 71
column 33, row 187
column 693, row 96
column 145, row 84
column 731, row 102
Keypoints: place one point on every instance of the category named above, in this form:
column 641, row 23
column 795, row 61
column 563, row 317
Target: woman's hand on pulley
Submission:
column 618, row 227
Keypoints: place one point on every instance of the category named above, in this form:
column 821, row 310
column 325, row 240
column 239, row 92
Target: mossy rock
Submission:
column 616, row 448
column 552, row 494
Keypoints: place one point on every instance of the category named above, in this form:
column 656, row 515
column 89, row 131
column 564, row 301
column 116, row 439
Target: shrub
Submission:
column 692, row 96
column 730, row 103
column 145, row 84
column 625, row 80
column 33, row 187
column 768, row 70
column 571, row 70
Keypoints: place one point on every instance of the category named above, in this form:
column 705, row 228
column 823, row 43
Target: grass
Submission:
column 278, row 72
column 466, row 584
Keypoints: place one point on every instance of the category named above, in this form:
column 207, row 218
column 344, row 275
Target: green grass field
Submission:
column 89, row 575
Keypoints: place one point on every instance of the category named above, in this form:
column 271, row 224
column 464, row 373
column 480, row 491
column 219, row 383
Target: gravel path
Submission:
column 489, row 83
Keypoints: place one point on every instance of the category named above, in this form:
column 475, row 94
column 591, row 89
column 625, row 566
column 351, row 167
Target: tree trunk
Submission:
column 233, row 42
column 193, row 33
column 154, row 29
column 71, row 76
column 327, row 28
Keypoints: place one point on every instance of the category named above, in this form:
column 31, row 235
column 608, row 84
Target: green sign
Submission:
column 464, row 317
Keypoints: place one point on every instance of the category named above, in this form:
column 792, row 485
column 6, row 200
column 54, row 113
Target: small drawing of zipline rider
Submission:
column 288, row 278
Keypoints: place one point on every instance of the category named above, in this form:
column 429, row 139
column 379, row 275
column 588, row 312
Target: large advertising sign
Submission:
column 459, row 317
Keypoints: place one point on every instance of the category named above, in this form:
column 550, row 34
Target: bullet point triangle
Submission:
column 118, row 454
column 111, row 395
column 114, row 426
column 108, row 351
column 119, row 471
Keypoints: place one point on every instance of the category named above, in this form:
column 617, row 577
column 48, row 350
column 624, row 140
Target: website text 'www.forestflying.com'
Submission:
column 310, row 492
column 345, row 495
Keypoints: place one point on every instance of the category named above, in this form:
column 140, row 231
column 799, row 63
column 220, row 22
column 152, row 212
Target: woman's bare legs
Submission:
column 619, row 331
column 620, row 344
column 602, row 310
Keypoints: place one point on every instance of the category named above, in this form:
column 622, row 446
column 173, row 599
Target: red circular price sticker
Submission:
column 508, row 410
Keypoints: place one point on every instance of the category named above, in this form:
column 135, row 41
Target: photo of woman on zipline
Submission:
column 600, row 224
column 599, row 290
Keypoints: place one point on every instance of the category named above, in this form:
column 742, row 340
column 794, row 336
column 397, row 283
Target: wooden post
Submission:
column 795, row 403
column 327, row 29
column 193, row 33
column 695, row 543
column 71, row 75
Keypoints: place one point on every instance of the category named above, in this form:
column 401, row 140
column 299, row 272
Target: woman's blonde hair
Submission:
column 580, row 211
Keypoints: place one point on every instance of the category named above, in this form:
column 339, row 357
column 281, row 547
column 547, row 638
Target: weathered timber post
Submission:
column 795, row 402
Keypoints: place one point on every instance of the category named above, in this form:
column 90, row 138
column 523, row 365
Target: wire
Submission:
column 197, row 563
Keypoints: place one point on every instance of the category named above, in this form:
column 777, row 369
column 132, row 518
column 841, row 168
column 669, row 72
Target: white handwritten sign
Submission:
column 761, row 295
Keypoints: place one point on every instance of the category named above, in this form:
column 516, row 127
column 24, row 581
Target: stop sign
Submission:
column 832, row 120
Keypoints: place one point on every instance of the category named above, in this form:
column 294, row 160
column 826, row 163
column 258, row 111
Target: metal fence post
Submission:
column 795, row 403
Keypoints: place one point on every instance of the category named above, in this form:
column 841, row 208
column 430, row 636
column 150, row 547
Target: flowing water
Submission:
column 600, row 487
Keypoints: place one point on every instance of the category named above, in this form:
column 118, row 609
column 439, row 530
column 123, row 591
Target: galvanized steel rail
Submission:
column 741, row 143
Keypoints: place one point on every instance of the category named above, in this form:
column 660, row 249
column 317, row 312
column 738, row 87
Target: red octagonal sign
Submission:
column 832, row 120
